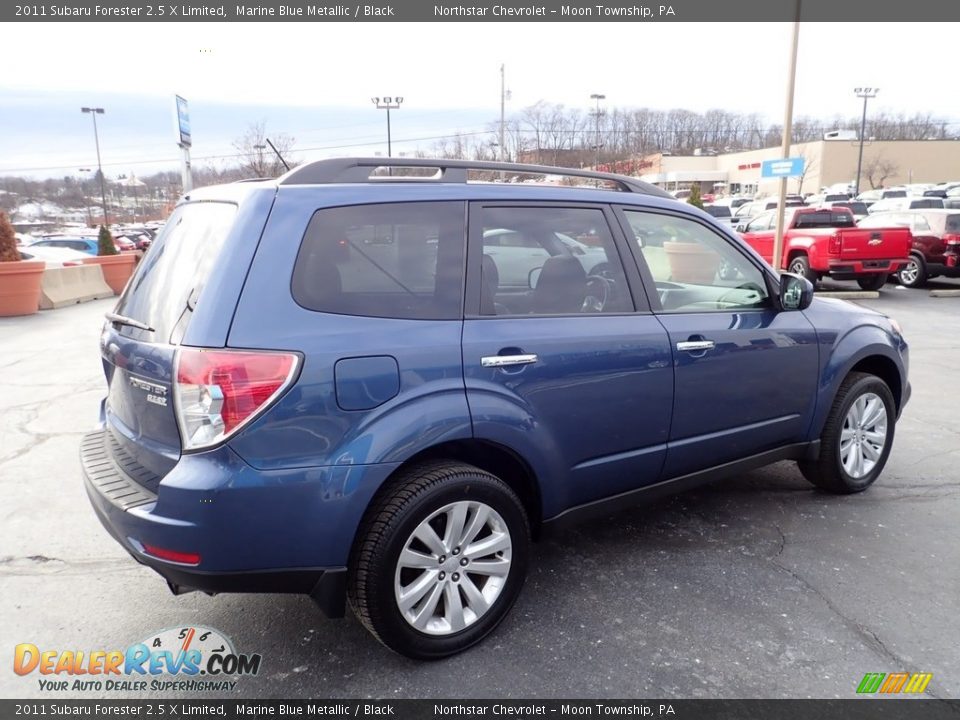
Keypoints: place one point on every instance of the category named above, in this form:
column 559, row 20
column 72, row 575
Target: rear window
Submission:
column 824, row 219
column 857, row 208
column 171, row 275
column 718, row 211
column 396, row 260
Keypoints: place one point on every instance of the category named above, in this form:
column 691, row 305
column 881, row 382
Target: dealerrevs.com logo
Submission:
column 176, row 659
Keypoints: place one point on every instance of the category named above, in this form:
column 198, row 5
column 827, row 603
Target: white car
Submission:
column 906, row 203
column 53, row 256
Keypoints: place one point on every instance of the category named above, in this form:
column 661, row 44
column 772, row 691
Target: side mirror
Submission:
column 534, row 277
column 796, row 292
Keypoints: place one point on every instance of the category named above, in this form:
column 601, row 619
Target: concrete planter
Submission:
column 117, row 269
column 20, row 287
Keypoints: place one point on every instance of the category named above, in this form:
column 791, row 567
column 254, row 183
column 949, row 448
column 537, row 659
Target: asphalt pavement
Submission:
column 759, row 586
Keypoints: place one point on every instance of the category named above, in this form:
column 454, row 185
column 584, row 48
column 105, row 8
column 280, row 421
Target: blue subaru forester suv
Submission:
column 375, row 381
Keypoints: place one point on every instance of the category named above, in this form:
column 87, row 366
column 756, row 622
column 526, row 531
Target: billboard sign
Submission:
column 183, row 122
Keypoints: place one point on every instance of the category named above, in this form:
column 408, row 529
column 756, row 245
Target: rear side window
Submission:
column 824, row 219
column 170, row 277
column 395, row 260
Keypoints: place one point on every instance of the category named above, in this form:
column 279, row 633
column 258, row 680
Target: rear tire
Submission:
column 914, row 275
column 431, row 599
column 872, row 282
column 856, row 438
column 800, row 265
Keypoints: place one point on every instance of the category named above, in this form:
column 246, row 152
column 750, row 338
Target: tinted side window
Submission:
column 572, row 267
column 395, row 260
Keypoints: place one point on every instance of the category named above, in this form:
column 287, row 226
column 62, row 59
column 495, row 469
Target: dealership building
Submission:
column 828, row 162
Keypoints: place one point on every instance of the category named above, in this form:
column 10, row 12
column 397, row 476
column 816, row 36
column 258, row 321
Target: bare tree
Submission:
column 877, row 169
column 256, row 157
column 809, row 163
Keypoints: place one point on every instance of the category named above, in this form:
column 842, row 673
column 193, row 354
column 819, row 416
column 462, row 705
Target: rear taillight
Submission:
column 219, row 391
column 833, row 246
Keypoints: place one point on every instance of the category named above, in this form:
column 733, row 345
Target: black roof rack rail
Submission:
column 357, row 170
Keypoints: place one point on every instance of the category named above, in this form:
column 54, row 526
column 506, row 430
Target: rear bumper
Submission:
column 254, row 531
column 852, row 269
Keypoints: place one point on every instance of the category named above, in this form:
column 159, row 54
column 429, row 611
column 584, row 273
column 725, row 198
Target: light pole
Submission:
column 866, row 93
column 94, row 111
column 388, row 104
column 596, row 116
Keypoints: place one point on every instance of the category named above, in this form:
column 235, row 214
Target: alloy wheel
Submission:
column 863, row 435
column 453, row 568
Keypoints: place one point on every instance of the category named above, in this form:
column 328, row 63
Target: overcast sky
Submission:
column 448, row 74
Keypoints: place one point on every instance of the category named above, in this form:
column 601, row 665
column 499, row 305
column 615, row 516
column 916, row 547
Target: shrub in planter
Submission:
column 117, row 267
column 19, row 280
column 105, row 244
column 694, row 198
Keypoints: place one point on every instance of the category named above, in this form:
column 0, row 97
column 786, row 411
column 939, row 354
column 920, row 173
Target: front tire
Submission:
column 439, row 560
column 872, row 282
column 856, row 438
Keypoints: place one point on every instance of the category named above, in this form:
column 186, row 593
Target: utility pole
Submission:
column 596, row 116
column 866, row 93
column 787, row 136
column 93, row 112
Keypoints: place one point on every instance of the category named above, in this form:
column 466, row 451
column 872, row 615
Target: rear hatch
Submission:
column 874, row 244
column 141, row 336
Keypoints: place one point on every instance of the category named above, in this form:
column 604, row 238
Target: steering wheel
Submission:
column 597, row 293
column 751, row 286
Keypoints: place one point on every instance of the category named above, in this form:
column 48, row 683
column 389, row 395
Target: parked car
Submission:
column 84, row 244
column 317, row 386
column 516, row 254
column 731, row 202
column 818, row 243
column 53, row 256
column 755, row 208
column 721, row 213
column 935, row 249
column 906, row 203
column 858, row 208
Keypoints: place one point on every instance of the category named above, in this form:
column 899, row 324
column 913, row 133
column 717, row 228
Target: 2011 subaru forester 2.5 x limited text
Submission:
column 376, row 381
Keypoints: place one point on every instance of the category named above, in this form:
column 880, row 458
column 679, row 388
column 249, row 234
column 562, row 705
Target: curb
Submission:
column 945, row 293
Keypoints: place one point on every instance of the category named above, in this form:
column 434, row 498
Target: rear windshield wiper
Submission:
column 124, row 320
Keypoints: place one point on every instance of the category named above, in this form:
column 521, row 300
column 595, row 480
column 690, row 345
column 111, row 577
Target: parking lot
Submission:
column 756, row 587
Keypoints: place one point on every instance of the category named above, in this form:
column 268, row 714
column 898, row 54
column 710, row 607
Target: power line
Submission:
column 318, row 148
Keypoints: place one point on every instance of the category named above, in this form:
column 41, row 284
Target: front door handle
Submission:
column 507, row 360
column 695, row 346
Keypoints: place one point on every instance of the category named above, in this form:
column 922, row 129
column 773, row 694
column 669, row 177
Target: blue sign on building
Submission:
column 790, row 167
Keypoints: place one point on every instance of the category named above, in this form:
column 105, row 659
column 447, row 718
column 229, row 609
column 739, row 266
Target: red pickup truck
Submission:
column 820, row 242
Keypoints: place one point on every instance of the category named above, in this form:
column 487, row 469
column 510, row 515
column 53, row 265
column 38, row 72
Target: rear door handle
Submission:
column 507, row 360
column 695, row 345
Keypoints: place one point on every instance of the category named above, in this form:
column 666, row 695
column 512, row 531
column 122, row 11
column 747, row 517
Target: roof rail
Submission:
column 357, row 170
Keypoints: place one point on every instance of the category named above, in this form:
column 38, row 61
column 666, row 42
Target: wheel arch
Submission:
column 492, row 457
column 885, row 369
